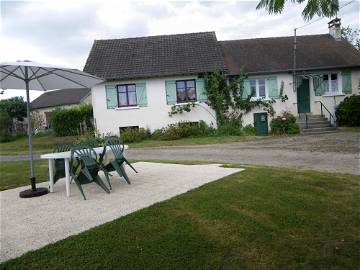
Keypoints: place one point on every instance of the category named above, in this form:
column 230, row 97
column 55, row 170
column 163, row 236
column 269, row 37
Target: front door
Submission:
column 303, row 97
column 261, row 124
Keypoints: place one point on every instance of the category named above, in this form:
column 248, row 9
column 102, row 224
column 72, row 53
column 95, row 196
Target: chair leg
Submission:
column 120, row 170
column 101, row 184
column 80, row 188
column 131, row 166
column 108, row 179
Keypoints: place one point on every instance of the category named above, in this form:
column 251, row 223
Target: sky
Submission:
column 62, row 32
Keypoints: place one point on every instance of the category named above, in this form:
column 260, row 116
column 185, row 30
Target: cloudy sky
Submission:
column 62, row 32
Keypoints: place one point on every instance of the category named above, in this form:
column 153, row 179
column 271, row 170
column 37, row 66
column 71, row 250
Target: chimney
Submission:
column 335, row 28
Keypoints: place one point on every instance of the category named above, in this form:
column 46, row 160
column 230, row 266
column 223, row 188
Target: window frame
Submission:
column 257, row 88
column 186, row 91
column 330, row 90
column 127, row 95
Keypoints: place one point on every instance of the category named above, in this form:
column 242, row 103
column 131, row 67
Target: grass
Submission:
column 350, row 129
column 261, row 218
column 45, row 144
column 17, row 173
column 41, row 144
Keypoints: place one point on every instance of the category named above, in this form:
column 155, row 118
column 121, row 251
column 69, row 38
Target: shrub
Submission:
column 131, row 135
column 183, row 130
column 230, row 126
column 249, row 130
column 5, row 127
column 348, row 112
column 284, row 124
column 66, row 122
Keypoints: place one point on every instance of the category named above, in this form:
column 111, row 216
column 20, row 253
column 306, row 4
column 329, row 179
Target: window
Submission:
column 122, row 129
column 330, row 83
column 258, row 88
column 185, row 91
column 126, row 94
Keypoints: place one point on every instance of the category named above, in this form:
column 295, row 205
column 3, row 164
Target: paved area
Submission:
column 28, row 224
column 334, row 152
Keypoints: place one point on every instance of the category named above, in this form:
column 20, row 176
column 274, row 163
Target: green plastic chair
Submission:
column 117, row 148
column 88, row 170
column 60, row 163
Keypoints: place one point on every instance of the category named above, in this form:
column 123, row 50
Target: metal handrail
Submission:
column 330, row 114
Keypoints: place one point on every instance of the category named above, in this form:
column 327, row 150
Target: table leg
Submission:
column 67, row 177
column 51, row 176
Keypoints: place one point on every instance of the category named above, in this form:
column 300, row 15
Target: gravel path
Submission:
column 335, row 152
column 28, row 224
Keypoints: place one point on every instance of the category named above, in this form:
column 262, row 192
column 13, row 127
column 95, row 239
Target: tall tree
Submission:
column 351, row 35
column 322, row 8
column 15, row 107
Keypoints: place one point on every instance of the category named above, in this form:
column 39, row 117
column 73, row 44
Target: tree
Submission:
column 351, row 35
column 322, row 8
column 15, row 107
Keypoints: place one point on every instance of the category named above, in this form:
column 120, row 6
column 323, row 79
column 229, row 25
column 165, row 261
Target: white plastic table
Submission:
column 66, row 156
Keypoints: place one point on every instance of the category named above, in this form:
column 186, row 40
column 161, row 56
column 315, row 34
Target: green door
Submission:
column 261, row 124
column 303, row 97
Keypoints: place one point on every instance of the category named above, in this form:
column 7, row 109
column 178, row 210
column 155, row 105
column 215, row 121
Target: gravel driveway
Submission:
column 334, row 152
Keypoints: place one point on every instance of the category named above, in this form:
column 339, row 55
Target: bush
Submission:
column 230, row 127
column 348, row 112
column 131, row 135
column 5, row 127
column 284, row 124
column 183, row 130
column 249, row 130
column 66, row 122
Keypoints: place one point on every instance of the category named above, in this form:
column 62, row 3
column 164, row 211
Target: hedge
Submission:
column 66, row 122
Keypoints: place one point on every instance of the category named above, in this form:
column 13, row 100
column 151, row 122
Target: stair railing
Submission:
column 331, row 116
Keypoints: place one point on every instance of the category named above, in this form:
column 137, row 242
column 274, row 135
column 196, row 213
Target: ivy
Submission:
column 180, row 108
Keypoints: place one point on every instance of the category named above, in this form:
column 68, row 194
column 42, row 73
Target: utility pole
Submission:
column 294, row 62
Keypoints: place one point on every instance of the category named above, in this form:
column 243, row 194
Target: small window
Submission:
column 126, row 94
column 330, row 83
column 122, row 129
column 185, row 91
column 258, row 88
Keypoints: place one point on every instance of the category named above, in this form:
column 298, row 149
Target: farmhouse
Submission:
column 146, row 76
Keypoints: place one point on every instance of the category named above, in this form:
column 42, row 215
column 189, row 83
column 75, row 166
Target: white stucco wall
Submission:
column 153, row 116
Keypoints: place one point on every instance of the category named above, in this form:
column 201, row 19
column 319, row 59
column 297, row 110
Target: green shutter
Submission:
column 111, row 96
column 170, row 87
column 200, row 90
column 346, row 82
column 272, row 87
column 318, row 86
column 247, row 90
column 141, row 95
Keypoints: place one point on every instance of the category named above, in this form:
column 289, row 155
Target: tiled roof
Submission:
column 155, row 56
column 263, row 55
column 60, row 97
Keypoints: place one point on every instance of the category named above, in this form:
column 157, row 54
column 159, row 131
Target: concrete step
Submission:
column 303, row 122
column 311, row 117
column 314, row 125
column 318, row 130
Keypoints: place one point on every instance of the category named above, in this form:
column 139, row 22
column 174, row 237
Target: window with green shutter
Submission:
column 200, row 90
column 141, row 94
column 111, row 96
column 272, row 87
column 247, row 89
column 318, row 84
column 346, row 82
column 170, row 90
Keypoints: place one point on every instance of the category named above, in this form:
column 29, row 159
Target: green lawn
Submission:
column 261, row 218
column 17, row 173
column 45, row 144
